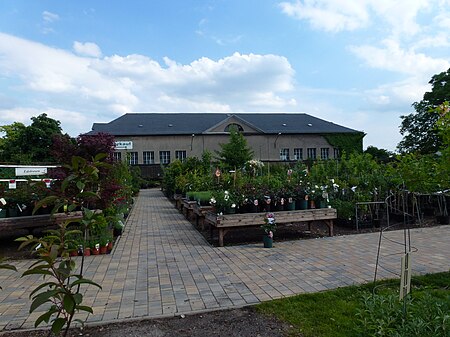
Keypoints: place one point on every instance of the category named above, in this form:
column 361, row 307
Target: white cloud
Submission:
column 392, row 57
column 344, row 15
column 331, row 16
column 60, row 82
column 49, row 16
column 87, row 49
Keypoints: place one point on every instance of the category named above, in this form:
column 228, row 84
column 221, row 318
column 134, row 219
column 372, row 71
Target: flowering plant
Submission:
column 269, row 225
column 223, row 202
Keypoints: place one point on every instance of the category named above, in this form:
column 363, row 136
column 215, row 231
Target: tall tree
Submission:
column 419, row 128
column 29, row 144
column 235, row 153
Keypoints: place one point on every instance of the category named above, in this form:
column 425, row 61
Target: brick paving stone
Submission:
column 162, row 266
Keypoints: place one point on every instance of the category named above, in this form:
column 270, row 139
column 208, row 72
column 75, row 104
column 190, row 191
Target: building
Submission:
column 159, row 138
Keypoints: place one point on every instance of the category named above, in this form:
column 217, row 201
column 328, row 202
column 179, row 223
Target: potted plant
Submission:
column 103, row 242
column 269, row 228
column 95, row 247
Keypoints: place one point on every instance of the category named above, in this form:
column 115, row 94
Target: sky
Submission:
column 357, row 63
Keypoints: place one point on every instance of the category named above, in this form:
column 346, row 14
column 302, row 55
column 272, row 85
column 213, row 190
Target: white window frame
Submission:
column 284, row 154
column 324, row 153
column 311, row 153
column 298, row 153
column 133, row 158
column 164, row 157
column 148, row 157
column 181, row 155
column 117, row 156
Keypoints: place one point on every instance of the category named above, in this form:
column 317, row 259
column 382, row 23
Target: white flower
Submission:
column 233, row 205
column 354, row 188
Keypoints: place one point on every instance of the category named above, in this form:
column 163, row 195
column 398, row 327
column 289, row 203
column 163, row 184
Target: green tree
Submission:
column 380, row 155
column 419, row 129
column 29, row 144
column 235, row 153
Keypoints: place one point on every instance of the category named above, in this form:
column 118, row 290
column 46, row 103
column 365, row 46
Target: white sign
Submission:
column 12, row 184
column 124, row 145
column 30, row 171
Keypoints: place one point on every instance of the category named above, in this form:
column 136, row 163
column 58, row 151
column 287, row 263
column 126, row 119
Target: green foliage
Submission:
column 384, row 315
column 380, row 155
column 346, row 142
column 418, row 129
column 191, row 175
column 60, row 291
column 234, row 154
column 418, row 172
column 29, row 144
column 332, row 313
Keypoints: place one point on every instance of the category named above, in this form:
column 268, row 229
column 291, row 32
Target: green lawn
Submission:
column 369, row 310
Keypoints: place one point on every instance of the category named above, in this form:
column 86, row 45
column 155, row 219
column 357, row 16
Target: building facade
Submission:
column 160, row 138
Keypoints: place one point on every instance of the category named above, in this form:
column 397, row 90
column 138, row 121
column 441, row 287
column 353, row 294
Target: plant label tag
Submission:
column 12, row 184
column 47, row 182
column 3, row 201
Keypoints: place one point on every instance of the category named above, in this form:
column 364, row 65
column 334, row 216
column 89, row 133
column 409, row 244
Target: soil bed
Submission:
column 243, row 322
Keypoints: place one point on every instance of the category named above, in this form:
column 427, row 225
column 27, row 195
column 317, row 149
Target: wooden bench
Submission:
column 37, row 221
column 226, row 222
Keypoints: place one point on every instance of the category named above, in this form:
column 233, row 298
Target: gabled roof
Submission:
column 141, row 124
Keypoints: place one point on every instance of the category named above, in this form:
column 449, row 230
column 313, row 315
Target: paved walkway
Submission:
column 162, row 266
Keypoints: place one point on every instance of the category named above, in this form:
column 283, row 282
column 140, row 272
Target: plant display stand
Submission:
column 200, row 213
column 226, row 222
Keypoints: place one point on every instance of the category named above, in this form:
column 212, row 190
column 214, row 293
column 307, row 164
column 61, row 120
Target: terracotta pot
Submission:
column 103, row 249
column 73, row 253
column 95, row 251
column 87, row 251
column 110, row 246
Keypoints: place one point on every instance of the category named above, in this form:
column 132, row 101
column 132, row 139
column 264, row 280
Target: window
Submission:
column 133, row 158
column 149, row 157
column 164, row 157
column 180, row 155
column 234, row 126
column 298, row 154
column 311, row 152
column 117, row 156
column 284, row 154
column 324, row 153
column 336, row 153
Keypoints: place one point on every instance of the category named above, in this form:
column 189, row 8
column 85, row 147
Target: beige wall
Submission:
column 265, row 147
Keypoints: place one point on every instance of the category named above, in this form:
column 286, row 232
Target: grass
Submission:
column 344, row 312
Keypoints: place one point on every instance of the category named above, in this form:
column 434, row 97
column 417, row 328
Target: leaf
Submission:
column 84, row 308
column 42, row 298
column 68, row 304
column 84, row 281
column 7, row 266
column 39, row 287
column 78, row 298
column 45, row 317
column 58, row 325
column 37, row 271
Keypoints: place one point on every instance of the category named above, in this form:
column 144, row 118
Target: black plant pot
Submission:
column 442, row 219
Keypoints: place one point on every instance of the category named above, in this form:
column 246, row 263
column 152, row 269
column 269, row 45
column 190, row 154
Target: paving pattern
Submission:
column 161, row 266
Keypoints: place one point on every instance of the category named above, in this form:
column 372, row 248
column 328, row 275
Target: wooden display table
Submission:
column 228, row 221
column 200, row 214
